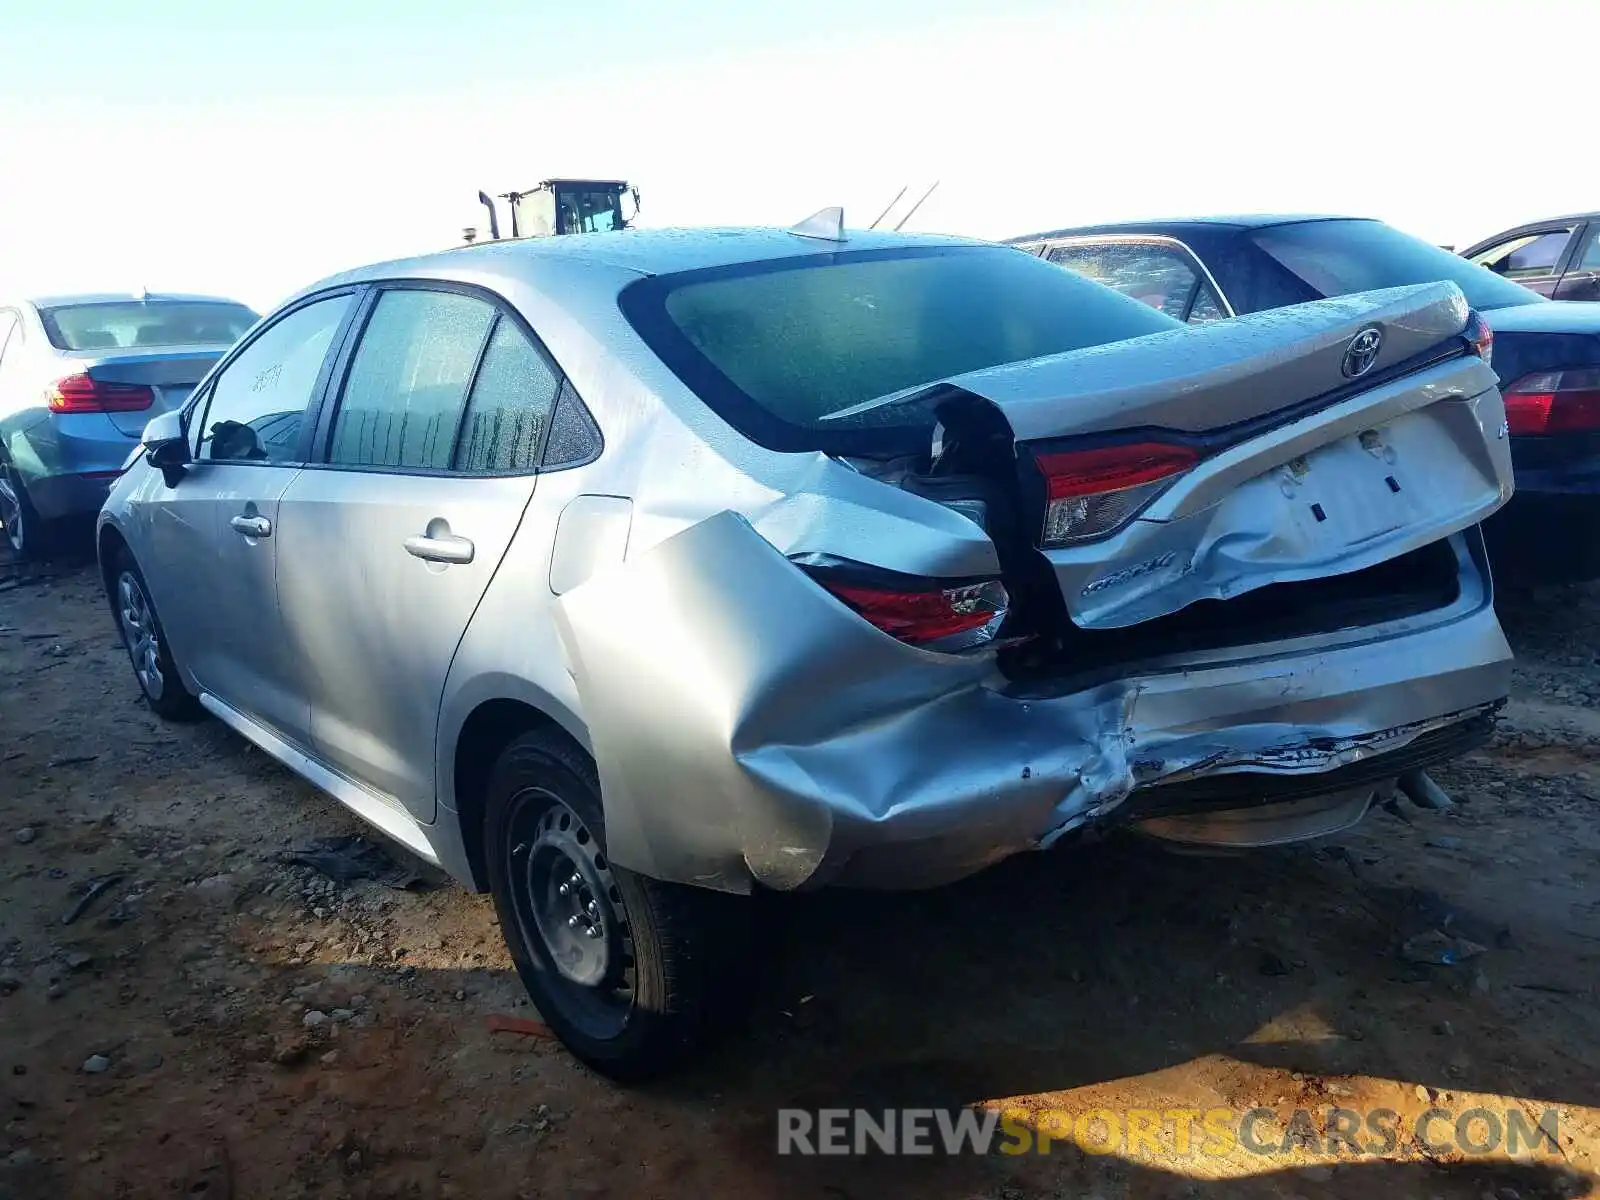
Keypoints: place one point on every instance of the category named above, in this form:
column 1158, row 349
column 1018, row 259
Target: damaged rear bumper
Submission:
column 750, row 729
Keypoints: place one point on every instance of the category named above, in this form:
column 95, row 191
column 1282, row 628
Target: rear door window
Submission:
column 406, row 389
column 1155, row 275
column 509, row 409
column 1205, row 307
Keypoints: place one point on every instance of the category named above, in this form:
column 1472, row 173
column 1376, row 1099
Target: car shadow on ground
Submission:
column 1097, row 966
column 1058, row 971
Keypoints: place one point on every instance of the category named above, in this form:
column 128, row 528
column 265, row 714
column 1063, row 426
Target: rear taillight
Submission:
column 1554, row 402
column 1093, row 492
column 84, row 394
column 1480, row 336
column 925, row 614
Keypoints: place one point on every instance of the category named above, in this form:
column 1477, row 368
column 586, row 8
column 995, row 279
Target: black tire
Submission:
column 666, row 961
column 28, row 535
column 162, row 687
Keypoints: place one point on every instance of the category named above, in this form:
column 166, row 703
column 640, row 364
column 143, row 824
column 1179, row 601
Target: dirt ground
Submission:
column 263, row 1032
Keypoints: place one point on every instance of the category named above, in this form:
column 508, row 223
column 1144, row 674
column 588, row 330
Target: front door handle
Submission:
column 444, row 548
column 256, row 527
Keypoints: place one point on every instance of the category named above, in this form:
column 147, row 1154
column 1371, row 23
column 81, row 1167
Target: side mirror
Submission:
column 166, row 445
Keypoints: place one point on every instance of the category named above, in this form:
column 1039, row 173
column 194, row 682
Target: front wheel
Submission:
column 146, row 643
column 632, row 974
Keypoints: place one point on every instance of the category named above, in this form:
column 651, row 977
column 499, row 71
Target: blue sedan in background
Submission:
column 1547, row 354
column 79, row 378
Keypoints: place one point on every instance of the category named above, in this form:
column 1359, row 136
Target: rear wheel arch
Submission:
column 489, row 729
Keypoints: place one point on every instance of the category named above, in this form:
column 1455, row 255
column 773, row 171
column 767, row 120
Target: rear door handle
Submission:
column 446, row 548
column 256, row 527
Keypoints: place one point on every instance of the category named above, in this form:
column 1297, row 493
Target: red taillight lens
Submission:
column 1481, row 337
column 1092, row 492
column 83, row 394
column 957, row 618
column 1554, row 402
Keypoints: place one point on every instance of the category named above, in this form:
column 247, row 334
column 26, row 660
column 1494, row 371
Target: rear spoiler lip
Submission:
column 114, row 356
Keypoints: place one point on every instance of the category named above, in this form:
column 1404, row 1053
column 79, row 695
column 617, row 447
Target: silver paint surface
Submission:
column 801, row 743
column 747, row 726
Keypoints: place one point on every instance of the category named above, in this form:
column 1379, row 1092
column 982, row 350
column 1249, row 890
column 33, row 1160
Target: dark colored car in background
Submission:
column 1559, row 258
column 1547, row 355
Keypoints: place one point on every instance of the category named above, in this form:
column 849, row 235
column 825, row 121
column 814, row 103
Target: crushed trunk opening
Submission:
column 1289, row 472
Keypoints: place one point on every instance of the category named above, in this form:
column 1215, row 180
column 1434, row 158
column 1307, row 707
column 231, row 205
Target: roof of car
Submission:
column 640, row 251
column 1179, row 224
column 125, row 298
column 1512, row 231
column 1583, row 216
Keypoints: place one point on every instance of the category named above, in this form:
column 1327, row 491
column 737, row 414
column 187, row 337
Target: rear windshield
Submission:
column 775, row 347
column 145, row 324
column 1336, row 258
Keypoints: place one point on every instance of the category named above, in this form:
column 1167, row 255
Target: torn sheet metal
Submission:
column 750, row 728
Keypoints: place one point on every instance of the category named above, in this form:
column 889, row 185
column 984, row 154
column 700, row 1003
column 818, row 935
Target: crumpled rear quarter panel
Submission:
column 748, row 727
column 745, row 722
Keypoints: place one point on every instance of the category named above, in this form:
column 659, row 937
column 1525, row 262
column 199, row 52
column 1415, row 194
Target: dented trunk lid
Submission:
column 1305, row 471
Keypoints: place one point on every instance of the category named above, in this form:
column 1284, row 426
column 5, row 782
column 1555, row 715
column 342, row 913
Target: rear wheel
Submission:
column 146, row 642
column 26, row 533
column 632, row 974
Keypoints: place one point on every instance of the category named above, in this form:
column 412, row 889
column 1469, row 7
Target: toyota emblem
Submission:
column 1362, row 352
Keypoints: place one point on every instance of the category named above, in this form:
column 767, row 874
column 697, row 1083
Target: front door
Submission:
column 248, row 448
column 387, row 546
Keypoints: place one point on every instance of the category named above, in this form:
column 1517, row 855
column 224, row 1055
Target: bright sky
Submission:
column 249, row 148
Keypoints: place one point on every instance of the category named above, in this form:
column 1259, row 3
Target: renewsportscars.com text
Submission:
column 1165, row 1133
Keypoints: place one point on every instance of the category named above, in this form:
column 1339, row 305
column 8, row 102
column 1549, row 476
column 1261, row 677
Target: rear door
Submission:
column 1581, row 280
column 1533, row 257
column 386, row 544
column 1158, row 271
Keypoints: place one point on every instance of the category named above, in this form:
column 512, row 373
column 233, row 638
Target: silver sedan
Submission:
column 624, row 575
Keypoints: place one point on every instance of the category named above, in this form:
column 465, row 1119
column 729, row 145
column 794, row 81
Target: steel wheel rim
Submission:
column 139, row 633
column 11, row 510
column 567, row 902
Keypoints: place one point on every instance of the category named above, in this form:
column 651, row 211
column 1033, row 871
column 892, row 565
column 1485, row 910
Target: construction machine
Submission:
column 561, row 206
